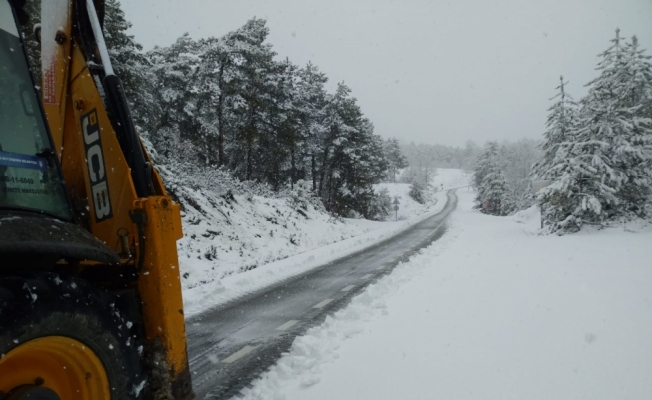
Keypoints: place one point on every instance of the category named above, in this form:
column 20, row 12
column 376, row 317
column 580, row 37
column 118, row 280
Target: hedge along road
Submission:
column 231, row 345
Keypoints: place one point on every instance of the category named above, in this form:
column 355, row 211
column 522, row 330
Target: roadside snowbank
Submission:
column 204, row 297
column 267, row 241
column 488, row 312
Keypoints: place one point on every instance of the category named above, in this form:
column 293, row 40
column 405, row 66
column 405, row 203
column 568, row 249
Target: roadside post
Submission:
column 537, row 186
column 396, row 203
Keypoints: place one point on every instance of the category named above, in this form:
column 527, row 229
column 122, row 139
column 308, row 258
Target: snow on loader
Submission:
column 90, row 294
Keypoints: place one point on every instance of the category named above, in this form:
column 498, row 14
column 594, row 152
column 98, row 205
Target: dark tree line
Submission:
column 230, row 103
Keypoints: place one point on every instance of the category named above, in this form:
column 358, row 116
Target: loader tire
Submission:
column 48, row 324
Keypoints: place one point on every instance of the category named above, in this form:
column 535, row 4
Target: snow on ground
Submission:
column 490, row 311
column 272, row 239
column 443, row 180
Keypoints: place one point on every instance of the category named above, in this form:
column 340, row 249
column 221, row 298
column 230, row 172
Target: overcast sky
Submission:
column 425, row 71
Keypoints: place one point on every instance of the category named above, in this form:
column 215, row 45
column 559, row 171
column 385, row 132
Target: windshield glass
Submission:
column 28, row 180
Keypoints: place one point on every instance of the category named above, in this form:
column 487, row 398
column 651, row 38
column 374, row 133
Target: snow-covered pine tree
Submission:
column 131, row 65
column 232, row 72
column 175, row 92
column 215, row 73
column 312, row 103
column 632, row 149
column 616, row 137
column 493, row 191
column 255, row 91
column 229, row 103
column 515, row 160
column 283, row 140
column 337, row 130
column 291, row 108
column 483, row 164
column 557, row 200
column 395, row 157
column 604, row 173
column 561, row 121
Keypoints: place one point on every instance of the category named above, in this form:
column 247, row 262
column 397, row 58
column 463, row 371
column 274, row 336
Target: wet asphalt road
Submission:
column 229, row 346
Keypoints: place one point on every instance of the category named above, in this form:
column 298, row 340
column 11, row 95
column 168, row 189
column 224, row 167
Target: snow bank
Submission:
column 487, row 312
column 271, row 241
column 201, row 298
column 530, row 219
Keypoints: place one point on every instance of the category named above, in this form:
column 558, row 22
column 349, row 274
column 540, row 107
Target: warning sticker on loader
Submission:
column 22, row 161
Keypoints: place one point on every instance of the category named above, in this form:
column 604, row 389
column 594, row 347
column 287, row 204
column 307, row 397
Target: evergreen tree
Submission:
column 252, row 111
column 484, row 163
column 229, row 103
column 604, row 173
column 493, row 191
column 614, row 135
column 494, row 194
column 222, row 81
column 562, row 119
column 175, row 92
column 126, row 55
column 632, row 150
column 554, row 166
column 312, row 101
column 395, row 157
column 638, row 78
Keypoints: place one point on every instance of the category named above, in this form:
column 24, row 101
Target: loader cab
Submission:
column 29, row 177
column 36, row 220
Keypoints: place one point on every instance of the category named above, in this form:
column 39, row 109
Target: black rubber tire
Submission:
column 50, row 305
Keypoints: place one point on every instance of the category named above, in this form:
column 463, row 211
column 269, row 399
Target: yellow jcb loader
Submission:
column 90, row 293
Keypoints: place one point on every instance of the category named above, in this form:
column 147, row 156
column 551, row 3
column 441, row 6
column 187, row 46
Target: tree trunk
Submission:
column 325, row 160
column 322, row 173
column 249, row 167
column 330, row 191
column 250, row 139
column 220, row 118
column 314, row 172
column 292, row 168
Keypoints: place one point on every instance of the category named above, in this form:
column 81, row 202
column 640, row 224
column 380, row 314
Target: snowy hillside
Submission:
column 240, row 228
column 232, row 227
column 490, row 311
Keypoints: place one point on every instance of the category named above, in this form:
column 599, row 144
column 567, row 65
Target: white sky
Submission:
column 425, row 71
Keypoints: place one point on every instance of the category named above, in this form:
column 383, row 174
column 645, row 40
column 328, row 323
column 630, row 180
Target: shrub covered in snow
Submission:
column 417, row 192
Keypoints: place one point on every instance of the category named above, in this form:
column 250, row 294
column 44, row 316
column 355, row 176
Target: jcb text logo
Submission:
column 96, row 168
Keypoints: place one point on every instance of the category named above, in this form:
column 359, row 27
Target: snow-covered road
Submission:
column 232, row 344
column 489, row 311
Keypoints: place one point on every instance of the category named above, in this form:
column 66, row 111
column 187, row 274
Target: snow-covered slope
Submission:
column 490, row 311
column 232, row 228
column 240, row 233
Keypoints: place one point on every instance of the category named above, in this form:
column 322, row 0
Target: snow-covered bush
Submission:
column 417, row 192
column 381, row 205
